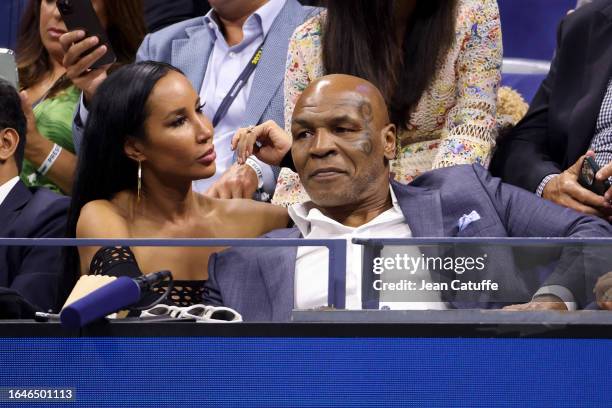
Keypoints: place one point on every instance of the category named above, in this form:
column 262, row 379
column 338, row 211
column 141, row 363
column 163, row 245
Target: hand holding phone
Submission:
column 84, row 55
column 568, row 190
column 80, row 15
column 588, row 180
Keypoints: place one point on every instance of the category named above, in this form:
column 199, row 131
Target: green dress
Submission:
column 54, row 121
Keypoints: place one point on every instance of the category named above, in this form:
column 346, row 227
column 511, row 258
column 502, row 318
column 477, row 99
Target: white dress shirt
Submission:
column 5, row 189
column 312, row 263
column 224, row 67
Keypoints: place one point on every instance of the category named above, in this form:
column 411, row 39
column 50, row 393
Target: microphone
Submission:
column 110, row 298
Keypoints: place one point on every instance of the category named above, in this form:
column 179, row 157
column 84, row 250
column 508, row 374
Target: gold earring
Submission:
column 139, row 180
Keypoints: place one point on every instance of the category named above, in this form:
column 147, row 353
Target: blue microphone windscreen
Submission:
column 110, row 298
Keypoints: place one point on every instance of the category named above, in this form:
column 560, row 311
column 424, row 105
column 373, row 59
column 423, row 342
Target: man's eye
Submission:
column 304, row 134
column 200, row 108
column 340, row 129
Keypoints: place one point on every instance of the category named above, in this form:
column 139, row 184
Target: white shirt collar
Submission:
column 262, row 18
column 305, row 213
column 5, row 189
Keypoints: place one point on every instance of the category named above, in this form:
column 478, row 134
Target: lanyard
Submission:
column 238, row 85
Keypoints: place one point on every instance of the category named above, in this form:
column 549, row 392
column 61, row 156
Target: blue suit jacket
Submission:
column 188, row 45
column 259, row 282
column 34, row 272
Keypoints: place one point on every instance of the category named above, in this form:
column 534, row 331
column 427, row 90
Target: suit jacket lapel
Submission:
column 278, row 271
column 599, row 69
column 191, row 54
column 270, row 72
column 17, row 198
column 422, row 208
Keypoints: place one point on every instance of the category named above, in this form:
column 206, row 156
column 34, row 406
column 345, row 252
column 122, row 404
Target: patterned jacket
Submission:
column 455, row 120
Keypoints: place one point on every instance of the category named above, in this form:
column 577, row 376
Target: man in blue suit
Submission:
column 215, row 52
column 341, row 148
column 34, row 272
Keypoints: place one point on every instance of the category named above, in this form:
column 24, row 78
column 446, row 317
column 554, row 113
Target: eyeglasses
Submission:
column 201, row 313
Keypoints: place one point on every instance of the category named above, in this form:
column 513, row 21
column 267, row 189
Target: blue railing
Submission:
column 336, row 247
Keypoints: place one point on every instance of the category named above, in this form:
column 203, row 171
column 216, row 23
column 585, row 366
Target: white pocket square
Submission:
column 467, row 219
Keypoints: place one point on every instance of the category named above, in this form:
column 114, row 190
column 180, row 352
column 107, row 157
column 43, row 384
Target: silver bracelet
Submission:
column 51, row 158
column 258, row 171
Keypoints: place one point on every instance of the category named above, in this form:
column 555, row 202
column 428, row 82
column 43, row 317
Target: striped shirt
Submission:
column 601, row 143
column 602, row 140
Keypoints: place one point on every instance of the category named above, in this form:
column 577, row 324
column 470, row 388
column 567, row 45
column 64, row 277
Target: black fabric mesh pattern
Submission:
column 108, row 258
column 120, row 261
column 184, row 293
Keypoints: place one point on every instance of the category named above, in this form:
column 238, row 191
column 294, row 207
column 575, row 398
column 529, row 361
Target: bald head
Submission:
column 345, row 89
column 342, row 141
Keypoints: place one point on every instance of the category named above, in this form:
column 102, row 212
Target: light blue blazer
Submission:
column 188, row 46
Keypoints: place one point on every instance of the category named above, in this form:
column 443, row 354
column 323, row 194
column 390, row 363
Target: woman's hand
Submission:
column 78, row 62
column 274, row 143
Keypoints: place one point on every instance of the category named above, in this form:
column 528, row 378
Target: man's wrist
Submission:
column 556, row 293
column 544, row 183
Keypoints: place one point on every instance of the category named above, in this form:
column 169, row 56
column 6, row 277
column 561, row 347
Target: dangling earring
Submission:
column 139, row 180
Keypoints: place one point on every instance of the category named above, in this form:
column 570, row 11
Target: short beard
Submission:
column 354, row 192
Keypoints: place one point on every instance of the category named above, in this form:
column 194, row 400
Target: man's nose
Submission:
column 323, row 144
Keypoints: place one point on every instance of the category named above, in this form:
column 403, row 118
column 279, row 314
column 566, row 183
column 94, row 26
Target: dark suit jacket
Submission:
column 259, row 282
column 561, row 121
column 34, row 272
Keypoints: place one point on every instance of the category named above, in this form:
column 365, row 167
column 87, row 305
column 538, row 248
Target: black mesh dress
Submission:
column 120, row 261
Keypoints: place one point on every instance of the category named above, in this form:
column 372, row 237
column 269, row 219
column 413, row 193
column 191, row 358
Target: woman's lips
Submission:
column 208, row 157
column 55, row 32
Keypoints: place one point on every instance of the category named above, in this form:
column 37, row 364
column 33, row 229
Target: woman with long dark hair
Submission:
column 437, row 63
column 146, row 140
column 50, row 98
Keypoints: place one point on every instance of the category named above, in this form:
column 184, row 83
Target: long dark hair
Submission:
column 126, row 30
column 359, row 38
column 119, row 109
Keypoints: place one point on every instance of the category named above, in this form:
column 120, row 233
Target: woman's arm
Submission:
column 251, row 219
column 271, row 217
column 38, row 149
column 469, row 132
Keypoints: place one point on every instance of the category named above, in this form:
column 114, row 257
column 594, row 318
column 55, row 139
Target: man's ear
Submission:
column 388, row 135
column 9, row 140
column 133, row 149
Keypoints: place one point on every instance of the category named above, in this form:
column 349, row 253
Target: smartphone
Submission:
column 80, row 15
column 587, row 177
column 8, row 67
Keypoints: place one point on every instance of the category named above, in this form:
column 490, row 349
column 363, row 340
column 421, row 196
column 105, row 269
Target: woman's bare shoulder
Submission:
column 102, row 219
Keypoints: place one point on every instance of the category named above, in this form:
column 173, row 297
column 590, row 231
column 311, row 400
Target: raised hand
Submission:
column 268, row 142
